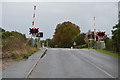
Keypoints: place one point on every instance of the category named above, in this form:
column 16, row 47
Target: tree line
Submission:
column 113, row 44
column 67, row 33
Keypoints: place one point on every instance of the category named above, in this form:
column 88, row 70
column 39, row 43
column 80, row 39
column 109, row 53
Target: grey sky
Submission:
column 18, row 15
column 0, row 14
column 60, row 0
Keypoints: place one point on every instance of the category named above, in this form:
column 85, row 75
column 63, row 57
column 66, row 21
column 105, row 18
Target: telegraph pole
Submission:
column 94, row 29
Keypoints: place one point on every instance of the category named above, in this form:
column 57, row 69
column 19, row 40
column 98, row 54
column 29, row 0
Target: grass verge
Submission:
column 108, row 52
column 86, row 48
column 25, row 55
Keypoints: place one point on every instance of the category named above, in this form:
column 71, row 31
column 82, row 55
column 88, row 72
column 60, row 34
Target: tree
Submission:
column 108, row 42
column 80, row 39
column 65, row 34
column 116, row 37
column 50, row 43
column 2, row 30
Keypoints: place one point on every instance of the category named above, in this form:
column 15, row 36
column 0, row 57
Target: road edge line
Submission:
column 43, row 54
column 98, row 67
column 30, row 71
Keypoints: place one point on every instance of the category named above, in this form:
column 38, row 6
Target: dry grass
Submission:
column 14, row 46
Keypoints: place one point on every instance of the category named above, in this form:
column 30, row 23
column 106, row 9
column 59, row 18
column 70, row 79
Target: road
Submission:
column 75, row 63
column 22, row 68
column 0, row 69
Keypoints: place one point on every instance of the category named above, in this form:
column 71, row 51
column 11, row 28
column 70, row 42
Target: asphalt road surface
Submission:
column 0, row 69
column 75, row 63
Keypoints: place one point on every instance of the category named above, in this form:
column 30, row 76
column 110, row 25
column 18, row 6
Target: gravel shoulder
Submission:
column 5, row 63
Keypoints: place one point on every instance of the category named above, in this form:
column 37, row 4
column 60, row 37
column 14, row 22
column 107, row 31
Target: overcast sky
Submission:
column 18, row 16
column 60, row 0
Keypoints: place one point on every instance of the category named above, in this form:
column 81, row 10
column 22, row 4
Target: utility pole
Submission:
column 94, row 29
column 34, row 31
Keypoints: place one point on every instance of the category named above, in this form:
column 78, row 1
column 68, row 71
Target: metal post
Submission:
column 39, row 44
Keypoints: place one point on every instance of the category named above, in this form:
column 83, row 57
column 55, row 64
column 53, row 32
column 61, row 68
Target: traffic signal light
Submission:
column 39, row 34
column 101, row 34
column 34, row 30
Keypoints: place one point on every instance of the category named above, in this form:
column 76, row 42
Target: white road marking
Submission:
column 35, row 64
column 100, row 68
column 86, row 59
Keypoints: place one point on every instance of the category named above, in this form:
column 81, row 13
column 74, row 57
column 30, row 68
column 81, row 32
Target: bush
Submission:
column 84, row 46
column 6, row 34
column 108, row 44
column 24, row 56
column 15, row 46
column 13, row 33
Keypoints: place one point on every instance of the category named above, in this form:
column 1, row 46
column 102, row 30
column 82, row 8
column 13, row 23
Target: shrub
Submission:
column 24, row 56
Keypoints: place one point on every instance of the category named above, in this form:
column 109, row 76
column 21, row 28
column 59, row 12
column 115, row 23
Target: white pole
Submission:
column 94, row 30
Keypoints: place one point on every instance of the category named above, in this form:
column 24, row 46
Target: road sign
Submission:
column 74, row 43
column 41, row 34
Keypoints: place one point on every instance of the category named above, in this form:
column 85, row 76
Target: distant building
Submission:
column 89, row 36
column 99, row 43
